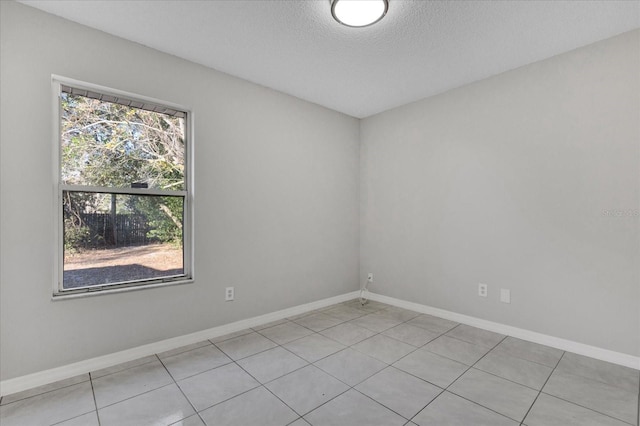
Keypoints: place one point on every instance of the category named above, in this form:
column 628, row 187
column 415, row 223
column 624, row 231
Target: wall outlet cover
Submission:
column 482, row 290
column 229, row 294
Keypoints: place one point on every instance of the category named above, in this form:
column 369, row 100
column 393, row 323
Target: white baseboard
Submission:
column 29, row 381
column 531, row 336
column 40, row 378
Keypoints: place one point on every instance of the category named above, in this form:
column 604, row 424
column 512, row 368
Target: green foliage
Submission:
column 164, row 216
column 75, row 237
column 107, row 144
column 110, row 145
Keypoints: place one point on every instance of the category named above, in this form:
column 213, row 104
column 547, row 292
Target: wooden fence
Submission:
column 130, row 230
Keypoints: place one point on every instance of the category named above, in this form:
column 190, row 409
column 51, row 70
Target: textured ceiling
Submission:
column 419, row 49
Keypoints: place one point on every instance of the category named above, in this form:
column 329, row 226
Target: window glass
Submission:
column 107, row 144
column 145, row 242
column 123, row 199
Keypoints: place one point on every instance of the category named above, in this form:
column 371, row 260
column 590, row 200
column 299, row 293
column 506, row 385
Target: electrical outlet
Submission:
column 228, row 294
column 370, row 277
column 482, row 290
column 505, row 295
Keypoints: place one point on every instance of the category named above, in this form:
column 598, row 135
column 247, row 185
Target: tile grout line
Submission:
column 248, row 356
column 377, row 372
column 497, row 375
column 542, row 387
column 73, row 418
column 60, row 388
column 244, row 357
column 175, row 382
column 440, row 334
column 349, row 387
column 472, row 343
column 463, row 373
column 185, row 351
column 139, row 394
column 307, row 361
column 203, row 371
column 95, row 402
column 517, row 357
column 388, row 408
column 534, row 389
column 505, row 353
column 228, row 399
column 387, row 364
column 419, row 378
column 308, row 364
column 580, row 405
column 598, row 380
column 348, row 304
column 505, row 379
column 124, row 369
column 588, row 408
column 391, row 365
column 269, row 390
column 276, row 343
column 349, row 346
column 134, row 396
column 320, row 333
column 41, row 393
column 280, row 346
column 422, row 347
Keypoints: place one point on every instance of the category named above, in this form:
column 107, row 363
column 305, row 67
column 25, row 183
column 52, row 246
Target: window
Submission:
column 123, row 190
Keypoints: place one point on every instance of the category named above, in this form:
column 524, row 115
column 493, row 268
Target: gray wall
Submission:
column 276, row 197
column 505, row 182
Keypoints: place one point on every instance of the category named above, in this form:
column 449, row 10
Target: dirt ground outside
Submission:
column 93, row 267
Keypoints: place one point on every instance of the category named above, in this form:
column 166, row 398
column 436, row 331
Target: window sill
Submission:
column 67, row 296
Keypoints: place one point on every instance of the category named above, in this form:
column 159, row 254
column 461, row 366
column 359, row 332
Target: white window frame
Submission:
column 58, row 187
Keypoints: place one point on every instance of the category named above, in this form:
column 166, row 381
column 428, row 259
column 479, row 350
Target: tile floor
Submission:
column 343, row 365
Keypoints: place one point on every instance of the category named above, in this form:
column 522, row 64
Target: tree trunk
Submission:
column 113, row 220
column 171, row 216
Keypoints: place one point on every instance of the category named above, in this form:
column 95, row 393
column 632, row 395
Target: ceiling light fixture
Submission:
column 359, row 13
